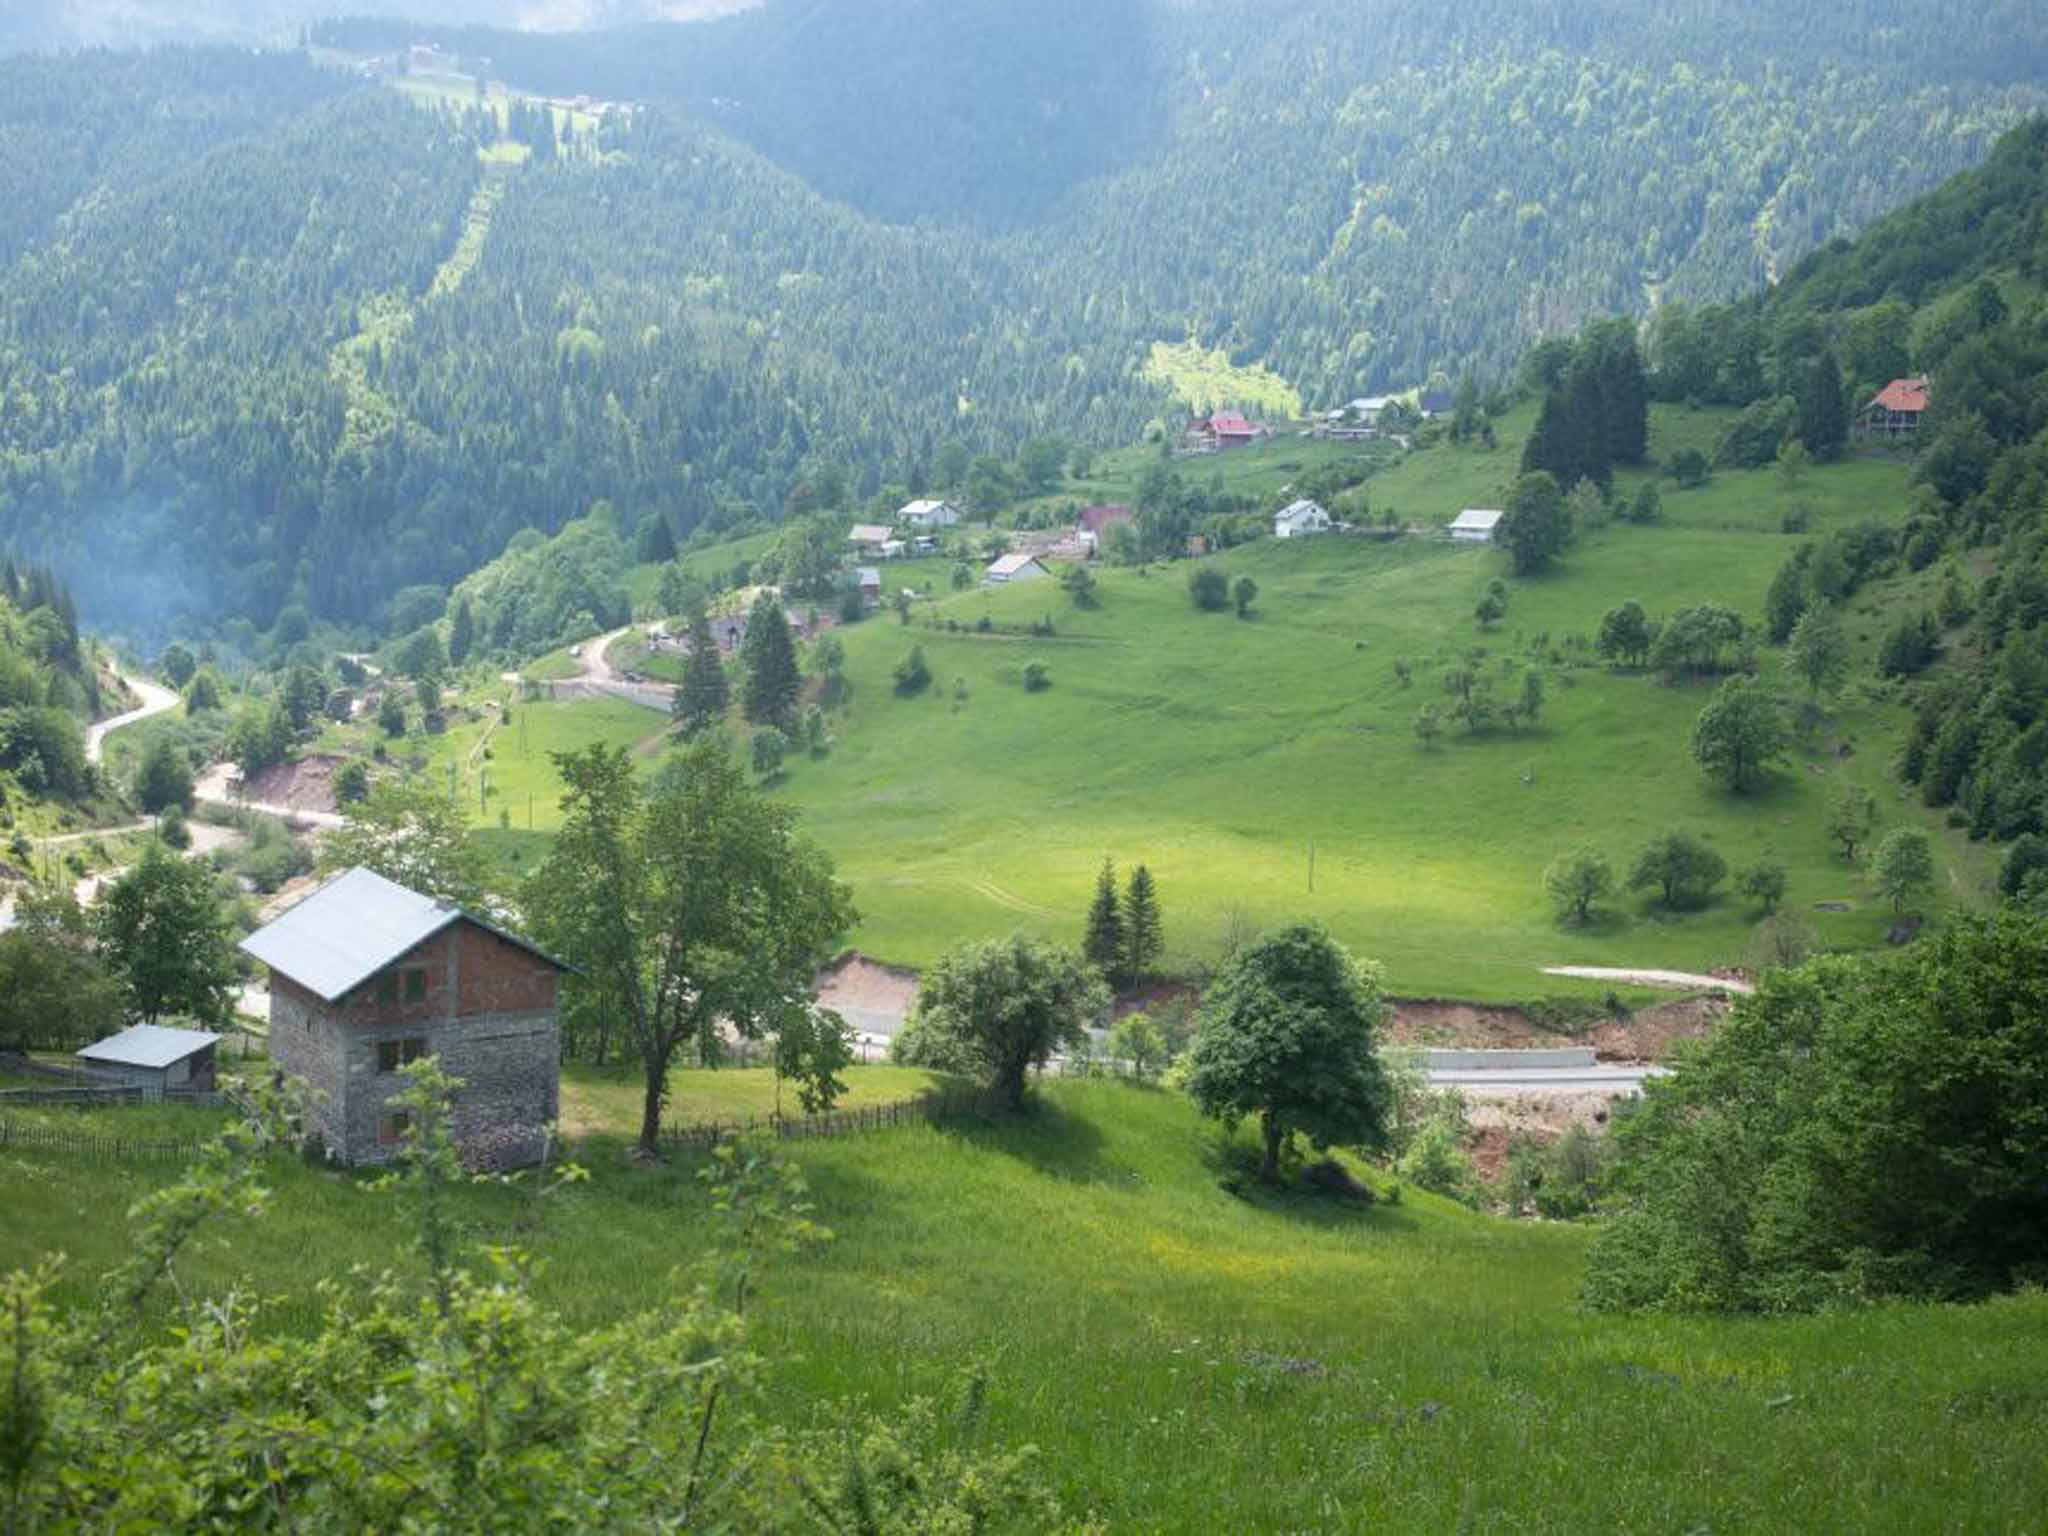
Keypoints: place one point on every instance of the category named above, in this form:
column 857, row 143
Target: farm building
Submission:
column 1433, row 403
column 1474, row 525
column 1894, row 411
column 929, row 514
column 868, row 537
column 869, row 580
column 1015, row 568
column 1298, row 519
column 1224, row 430
column 1096, row 521
column 155, row 1057
column 366, row 975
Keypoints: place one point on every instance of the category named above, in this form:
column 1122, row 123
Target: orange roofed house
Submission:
column 366, row 975
column 1895, row 410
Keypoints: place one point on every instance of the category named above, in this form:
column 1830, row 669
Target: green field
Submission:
column 1188, row 1359
column 516, row 785
column 1217, row 750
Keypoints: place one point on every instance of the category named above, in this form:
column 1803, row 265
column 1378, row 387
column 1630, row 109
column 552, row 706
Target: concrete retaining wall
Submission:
column 1508, row 1061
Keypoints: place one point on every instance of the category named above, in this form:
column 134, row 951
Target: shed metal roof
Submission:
column 1476, row 520
column 354, row 926
column 148, row 1045
column 1295, row 511
column 1010, row 565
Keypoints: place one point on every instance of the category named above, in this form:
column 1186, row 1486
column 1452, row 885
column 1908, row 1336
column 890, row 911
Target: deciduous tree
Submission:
column 1681, row 868
column 1578, row 881
column 1289, row 1035
column 411, row 834
column 996, row 1009
column 163, row 936
column 694, row 902
column 1739, row 735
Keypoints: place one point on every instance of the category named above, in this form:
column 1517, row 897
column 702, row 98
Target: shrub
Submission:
column 912, row 675
column 1035, row 678
column 1859, row 1128
column 1209, row 589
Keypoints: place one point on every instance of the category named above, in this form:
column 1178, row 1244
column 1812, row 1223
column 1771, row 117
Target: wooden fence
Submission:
column 101, row 1095
column 925, row 1110
column 89, row 1146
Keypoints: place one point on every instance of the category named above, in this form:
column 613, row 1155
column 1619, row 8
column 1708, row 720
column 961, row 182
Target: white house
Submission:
column 1475, row 525
column 1299, row 519
column 868, row 537
column 1015, row 568
column 929, row 514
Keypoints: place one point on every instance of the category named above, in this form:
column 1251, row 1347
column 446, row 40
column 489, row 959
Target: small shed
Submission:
column 1298, row 519
column 928, row 514
column 869, row 580
column 155, row 1057
column 1015, row 568
column 1475, row 525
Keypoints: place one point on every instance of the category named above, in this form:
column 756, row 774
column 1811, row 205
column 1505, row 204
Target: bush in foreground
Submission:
column 455, row 1401
column 1859, row 1129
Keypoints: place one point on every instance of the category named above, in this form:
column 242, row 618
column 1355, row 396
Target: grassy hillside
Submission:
column 1217, row 750
column 1190, row 1360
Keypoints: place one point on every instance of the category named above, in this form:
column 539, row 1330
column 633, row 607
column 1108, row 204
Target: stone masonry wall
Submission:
column 488, row 1014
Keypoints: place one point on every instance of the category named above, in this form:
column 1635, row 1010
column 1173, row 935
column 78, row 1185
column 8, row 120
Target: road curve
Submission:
column 1650, row 978
column 155, row 700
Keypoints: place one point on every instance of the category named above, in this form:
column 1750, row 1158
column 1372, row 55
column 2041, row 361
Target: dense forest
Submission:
column 276, row 343
column 48, row 690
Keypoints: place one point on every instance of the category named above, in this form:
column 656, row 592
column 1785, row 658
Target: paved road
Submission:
column 1649, row 978
column 1518, row 1082
column 155, row 700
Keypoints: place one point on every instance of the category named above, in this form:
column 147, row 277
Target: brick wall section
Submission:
column 488, row 1014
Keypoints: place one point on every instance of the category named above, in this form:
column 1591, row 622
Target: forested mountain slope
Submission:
column 286, row 344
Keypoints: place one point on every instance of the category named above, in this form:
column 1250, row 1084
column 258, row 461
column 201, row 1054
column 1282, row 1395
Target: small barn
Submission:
column 366, row 976
column 155, row 1057
column 868, row 537
column 1015, row 568
column 1298, row 519
column 928, row 514
column 869, row 580
column 1475, row 525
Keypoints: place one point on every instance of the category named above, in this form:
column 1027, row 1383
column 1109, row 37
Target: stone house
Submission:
column 366, row 975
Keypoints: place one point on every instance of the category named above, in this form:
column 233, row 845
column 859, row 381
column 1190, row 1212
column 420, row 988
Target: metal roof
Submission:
column 149, row 1045
column 1477, row 520
column 1010, row 565
column 1294, row 511
column 354, row 926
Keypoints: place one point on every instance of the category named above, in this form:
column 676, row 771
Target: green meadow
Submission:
column 1229, row 755
column 1190, row 1358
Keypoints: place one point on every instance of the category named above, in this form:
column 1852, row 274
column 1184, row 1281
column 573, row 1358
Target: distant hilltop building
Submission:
column 1894, row 411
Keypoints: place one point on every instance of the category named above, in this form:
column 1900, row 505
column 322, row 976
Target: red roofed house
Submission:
column 1226, row 429
column 1096, row 521
column 1895, row 410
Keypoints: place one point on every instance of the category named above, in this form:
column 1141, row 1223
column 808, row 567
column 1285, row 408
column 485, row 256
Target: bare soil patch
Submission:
column 867, row 986
column 1644, row 1036
column 305, row 785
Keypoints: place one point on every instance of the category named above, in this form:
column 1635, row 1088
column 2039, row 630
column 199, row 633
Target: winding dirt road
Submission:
column 155, row 700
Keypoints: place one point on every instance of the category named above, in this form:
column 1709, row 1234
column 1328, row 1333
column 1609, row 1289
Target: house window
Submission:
column 387, row 989
column 391, row 1128
column 393, row 1054
column 415, row 986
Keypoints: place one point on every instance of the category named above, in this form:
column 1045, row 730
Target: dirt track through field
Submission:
column 1650, row 978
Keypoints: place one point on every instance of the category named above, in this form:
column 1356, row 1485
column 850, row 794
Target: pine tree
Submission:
column 657, row 544
column 1103, row 943
column 1143, row 937
column 702, row 699
column 769, row 657
column 1824, row 410
column 461, row 633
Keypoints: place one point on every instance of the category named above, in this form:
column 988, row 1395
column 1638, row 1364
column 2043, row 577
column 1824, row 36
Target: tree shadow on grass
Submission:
column 1235, row 1163
column 1052, row 1140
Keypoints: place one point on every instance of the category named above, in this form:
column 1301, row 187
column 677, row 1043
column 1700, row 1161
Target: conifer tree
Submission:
column 1824, row 410
column 1143, row 936
column 1103, row 944
column 701, row 700
column 461, row 633
column 769, row 657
